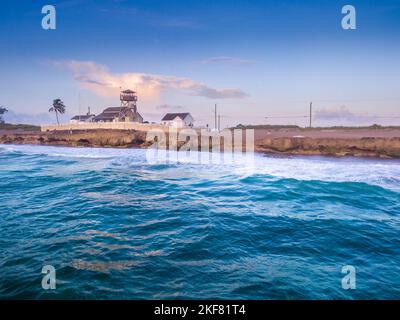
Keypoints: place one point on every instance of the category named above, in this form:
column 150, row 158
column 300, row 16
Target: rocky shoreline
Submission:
column 95, row 138
column 363, row 147
column 378, row 147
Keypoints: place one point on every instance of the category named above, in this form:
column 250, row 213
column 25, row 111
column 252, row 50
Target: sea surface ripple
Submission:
column 115, row 226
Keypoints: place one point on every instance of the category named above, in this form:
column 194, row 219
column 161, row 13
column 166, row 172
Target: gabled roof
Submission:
column 172, row 116
column 114, row 109
column 104, row 116
column 82, row 117
column 111, row 113
column 139, row 114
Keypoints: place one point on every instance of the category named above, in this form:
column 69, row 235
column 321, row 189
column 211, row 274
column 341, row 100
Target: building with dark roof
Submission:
column 127, row 112
column 118, row 114
column 88, row 117
column 178, row 120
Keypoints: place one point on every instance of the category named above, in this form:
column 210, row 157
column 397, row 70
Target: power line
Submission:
column 385, row 117
column 286, row 117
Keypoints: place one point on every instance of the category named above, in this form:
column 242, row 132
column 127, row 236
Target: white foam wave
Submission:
column 384, row 173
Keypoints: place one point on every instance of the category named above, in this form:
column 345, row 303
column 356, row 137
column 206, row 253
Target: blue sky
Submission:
column 255, row 59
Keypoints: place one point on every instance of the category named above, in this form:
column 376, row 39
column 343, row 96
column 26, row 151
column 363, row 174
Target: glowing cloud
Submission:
column 99, row 79
column 342, row 113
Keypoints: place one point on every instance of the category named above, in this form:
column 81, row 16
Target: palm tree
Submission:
column 58, row 107
column 2, row 112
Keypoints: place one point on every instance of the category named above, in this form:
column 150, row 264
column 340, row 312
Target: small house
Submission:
column 118, row 114
column 88, row 117
column 178, row 120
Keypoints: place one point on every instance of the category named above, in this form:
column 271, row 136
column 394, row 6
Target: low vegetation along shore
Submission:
column 382, row 142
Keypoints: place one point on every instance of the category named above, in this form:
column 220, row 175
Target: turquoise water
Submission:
column 117, row 227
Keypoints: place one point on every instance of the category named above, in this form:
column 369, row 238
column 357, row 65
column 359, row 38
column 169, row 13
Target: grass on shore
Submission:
column 265, row 126
column 25, row 127
column 277, row 127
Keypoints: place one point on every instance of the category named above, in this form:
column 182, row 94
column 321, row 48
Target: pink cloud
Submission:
column 100, row 80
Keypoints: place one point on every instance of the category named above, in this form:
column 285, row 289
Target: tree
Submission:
column 58, row 107
column 2, row 112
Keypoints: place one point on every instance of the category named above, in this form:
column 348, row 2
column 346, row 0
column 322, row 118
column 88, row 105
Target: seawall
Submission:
column 379, row 143
column 102, row 126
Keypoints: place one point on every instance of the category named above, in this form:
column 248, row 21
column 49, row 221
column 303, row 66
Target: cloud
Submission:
column 226, row 60
column 211, row 93
column 169, row 107
column 342, row 113
column 100, row 80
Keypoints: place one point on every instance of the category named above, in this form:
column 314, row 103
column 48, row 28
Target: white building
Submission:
column 127, row 112
column 118, row 114
column 82, row 118
column 178, row 120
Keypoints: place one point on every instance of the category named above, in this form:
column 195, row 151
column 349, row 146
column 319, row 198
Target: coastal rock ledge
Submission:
column 361, row 147
column 380, row 144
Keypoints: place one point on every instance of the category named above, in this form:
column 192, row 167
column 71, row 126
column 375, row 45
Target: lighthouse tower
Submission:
column 128, row 100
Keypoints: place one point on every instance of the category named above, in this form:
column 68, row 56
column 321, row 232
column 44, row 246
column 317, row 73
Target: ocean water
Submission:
column 115, row 226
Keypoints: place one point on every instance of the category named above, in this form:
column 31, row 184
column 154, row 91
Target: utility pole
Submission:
column 215, row 117
column 310, row 114
column 79, row 106
column 219, row 122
